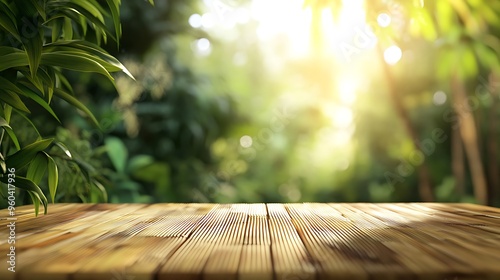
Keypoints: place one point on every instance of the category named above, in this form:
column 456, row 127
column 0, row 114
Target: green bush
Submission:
column 39, row 41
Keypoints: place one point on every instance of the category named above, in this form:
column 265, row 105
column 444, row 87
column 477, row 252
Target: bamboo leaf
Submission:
column 36, row 201
column 13, row 100
column 33, row 189
column 114, row 7
column 53, row 177
column 28, row 185
column 67, row 29
column 63, row 148
column 101, row 188
column 31, row 123
column 8, row 24
column 103, row 57
column 84, row 6
column 62, row 82
column 57, row 26
column 40, row 9
column 14, row 59
column 33, row 48
column 4, row 7
column 4, row 123
column 39, row 100
column 100, row 27
column 75, row 63
column 24, row 156
column 7, row 111
column 37, row 168
column 13, row 137
column 8, row 85
column 73, row 101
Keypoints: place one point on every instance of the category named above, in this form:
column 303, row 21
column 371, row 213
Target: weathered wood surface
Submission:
column 255, row 241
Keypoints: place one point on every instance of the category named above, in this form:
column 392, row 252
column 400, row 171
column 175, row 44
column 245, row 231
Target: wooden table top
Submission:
column 254, row 241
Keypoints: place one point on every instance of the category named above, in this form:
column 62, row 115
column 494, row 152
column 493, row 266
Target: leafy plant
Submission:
column 39, row 41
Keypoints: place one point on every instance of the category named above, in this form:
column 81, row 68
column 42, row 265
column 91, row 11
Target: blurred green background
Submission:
column 289, row 101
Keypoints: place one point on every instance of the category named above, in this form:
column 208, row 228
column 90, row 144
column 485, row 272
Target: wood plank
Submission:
column 255, row 241
column 289, row 254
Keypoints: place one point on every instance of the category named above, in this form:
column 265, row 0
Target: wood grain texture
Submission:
column 254, row 241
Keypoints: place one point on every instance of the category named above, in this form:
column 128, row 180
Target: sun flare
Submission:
column 291, row 19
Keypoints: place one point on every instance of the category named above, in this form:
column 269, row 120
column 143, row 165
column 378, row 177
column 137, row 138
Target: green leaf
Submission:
column 56, row 26
column 64, row 149
column 35, row 97
column 83, row 6
column 77, row 104
column 7, row 112
column 31, row 123
column 101, row 188
column 33, row 189
column 24, row 156
column 91, row 51
column 36, row 201
column 75, row 63
column 84, row 25
column 114, row 7
column 67, row 29
column 50, row 82
column 138, row 162
column 62, row 82
column 3, row 167
column 33, row 48
column 13, row 137
column 53, row 177
column 14, row 59
column 12, row 99
column 4, row 7
column 100, row 27
column 37, row 168
column 8, row 24
column 4, row 123
column 28, row 185
column 117, row 152
column 8, row 85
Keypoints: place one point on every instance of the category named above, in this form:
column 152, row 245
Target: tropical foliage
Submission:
column 40, row 40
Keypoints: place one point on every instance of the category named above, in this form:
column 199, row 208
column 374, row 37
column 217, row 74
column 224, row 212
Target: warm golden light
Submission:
column 280, row 18
column 392, row 55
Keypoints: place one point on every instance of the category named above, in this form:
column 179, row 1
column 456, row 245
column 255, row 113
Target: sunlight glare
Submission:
column 340, row 116
column 392, row 55
column 347, row 91
column 202, row 47
column 384, row 20
column 343, row 117
column 349, row 29
column 195, row 21
column 283, row 17
column 208, row 20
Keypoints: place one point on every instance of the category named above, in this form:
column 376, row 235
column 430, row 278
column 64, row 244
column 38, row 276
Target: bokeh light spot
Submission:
column 195, row 21
column 439, row 98
column 384, row 20
column 392, row 55
column 246, row 141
